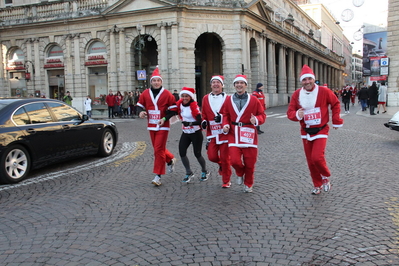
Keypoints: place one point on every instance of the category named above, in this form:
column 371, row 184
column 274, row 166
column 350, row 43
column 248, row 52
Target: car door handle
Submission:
column 66, row 127
column 31, row 131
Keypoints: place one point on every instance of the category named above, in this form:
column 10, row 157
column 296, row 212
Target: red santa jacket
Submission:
column 209, row 111
column 156, row 107
column 242, row 132
column 261, row 97
column 317, row 115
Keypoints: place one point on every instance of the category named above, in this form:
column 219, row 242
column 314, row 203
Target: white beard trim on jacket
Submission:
column 307, row 99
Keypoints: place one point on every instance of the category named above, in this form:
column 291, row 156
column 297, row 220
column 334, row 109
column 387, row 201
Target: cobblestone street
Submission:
column 89, row 212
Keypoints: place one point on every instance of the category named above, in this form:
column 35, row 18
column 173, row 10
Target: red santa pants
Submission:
column 243, row 161
column 161, row 154
column 314, row 151
column 219, row 153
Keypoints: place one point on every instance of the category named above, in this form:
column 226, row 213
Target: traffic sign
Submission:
column 384, row 61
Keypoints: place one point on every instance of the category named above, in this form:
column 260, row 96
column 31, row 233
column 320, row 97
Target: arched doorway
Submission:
column 145, row 58
column 208, row 62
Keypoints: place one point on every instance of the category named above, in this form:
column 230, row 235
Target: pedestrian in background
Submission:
column 258, row 93
column 67, row 98
column 110, row 101
column 190, row 115
column 309, row 105
column 125, row 105
column 373, row 97
column 176, row 95
column 346, row 98
column 241, row 113
column 382, row 97
column 217, row 142
column 158, row 105
column 87, row 104
column 363, row 96
column 118, row 104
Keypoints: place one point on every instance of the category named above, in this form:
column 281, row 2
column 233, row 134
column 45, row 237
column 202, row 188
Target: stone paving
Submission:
column 110, row 214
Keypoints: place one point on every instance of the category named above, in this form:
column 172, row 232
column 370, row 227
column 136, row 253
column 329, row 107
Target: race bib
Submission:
column 312, row 116
column 247, row 135
column 216, row 128
column 189, row 129
column 154, row 116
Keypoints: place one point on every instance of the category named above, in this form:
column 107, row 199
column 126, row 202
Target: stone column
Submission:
column 282, row 74
column 291, row 72
column 263, row 58
column 271, row 67
column 245, row 49
column 122, row 53
column 112, row 73
column 77, row 80
column 163, row 64
column 298, row 69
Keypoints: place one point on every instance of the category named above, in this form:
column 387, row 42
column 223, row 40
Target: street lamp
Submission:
column 140, row 47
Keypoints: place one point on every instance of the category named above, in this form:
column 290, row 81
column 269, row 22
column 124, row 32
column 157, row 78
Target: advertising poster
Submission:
column 374, row 48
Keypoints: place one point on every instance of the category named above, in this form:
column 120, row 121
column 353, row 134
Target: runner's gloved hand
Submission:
column 218, row 118
column 204, row 124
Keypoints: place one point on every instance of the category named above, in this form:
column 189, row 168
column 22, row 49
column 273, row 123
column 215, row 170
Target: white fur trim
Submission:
column 240, row 78
column 307, row 76
column 217, row 78
column 187, row 92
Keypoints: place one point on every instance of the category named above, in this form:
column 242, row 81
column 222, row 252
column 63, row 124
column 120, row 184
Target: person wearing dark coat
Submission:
column 373, row 96
column 363, row 96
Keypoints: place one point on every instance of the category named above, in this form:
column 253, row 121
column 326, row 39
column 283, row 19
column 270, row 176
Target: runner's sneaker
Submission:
column 156, row 181
column 239, row 180
column 226, row 185
column 187, row 178
column 171, row 166
column 204, row 176
column 247, row 189
column 316, row 190
column 326, row 185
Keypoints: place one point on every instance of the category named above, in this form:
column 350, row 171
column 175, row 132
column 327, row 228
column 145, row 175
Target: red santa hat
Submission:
column 189, row 91
column 306, row 72
column 240, row 77
column 220, row 78
column 156, row 74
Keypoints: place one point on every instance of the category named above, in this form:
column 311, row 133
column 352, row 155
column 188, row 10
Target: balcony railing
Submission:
column 49, row 11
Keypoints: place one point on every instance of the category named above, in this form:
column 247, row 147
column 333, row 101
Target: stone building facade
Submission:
column 393, row 53
column 92, row 46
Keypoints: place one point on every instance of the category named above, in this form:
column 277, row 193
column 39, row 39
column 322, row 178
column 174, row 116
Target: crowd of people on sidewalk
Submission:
column 122, row 106
column 232, row 124
column 369, row 97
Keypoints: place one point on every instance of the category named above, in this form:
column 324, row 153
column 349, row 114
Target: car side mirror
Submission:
column 85, row 117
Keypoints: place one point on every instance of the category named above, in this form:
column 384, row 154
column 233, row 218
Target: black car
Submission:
column 36, row 132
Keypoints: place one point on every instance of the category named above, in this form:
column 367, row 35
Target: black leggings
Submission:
column 185, row 141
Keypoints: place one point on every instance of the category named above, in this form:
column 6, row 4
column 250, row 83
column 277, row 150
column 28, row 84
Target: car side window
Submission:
column 64, row 112
column 38, row 113
column 20, row 117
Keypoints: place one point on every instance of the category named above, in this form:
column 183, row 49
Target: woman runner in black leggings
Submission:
column 190, row 115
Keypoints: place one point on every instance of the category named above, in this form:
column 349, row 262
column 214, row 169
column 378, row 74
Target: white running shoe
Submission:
column 156, row 181
column 326, row 185
column 247, row 189
column 239, row 180
column 316, row 190
column 171, row 166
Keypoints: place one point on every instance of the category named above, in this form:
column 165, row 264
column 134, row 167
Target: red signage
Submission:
column 27, row 76
column 99, row 62
column 95, row 57
column 53, row 65
column 53, row 60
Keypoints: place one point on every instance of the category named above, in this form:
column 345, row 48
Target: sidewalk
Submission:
column 388, row 115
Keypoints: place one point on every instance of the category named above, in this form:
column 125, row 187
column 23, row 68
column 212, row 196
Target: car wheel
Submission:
column 15, row 164
column 107, row 143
